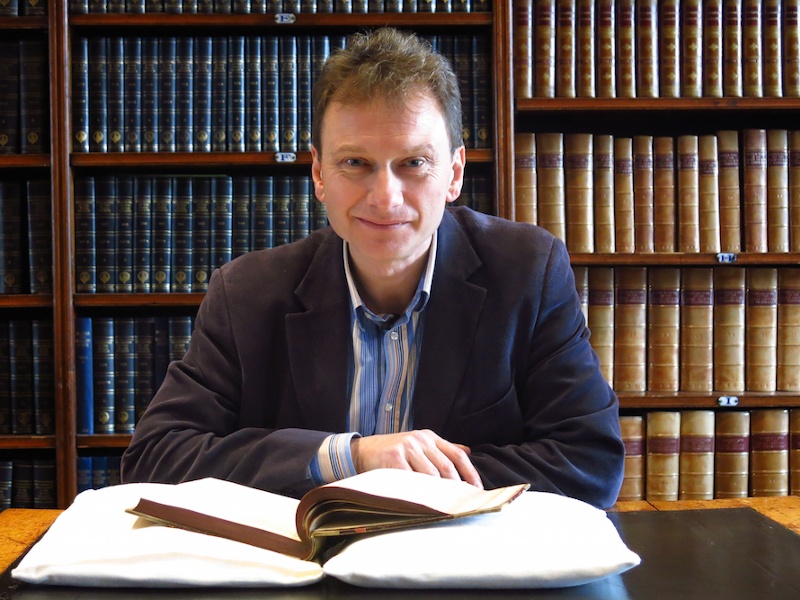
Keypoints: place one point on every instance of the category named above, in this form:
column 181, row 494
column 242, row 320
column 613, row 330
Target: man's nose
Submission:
column 387, row 190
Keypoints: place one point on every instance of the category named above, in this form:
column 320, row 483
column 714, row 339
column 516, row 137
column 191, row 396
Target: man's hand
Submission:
column 419, row 450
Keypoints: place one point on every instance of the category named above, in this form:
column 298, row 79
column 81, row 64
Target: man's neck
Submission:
column 390, row 293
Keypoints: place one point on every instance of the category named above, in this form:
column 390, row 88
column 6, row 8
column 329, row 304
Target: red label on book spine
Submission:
column 733, row 443
column 697, row 443
column 663, row 445
column 769, row 442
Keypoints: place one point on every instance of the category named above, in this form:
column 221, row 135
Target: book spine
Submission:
column 103, row 373
column 184, row 94
column 544, row 62
column 761, row 333
column 270, row 78
column 462, row 65
column 115, row 103
column 287, row 94
column 523, row 48
column 253, row 86
column 712, row 49
column 794, row 190
column 84, row 473
column 219, row 94
column 5, row 381
column 730, row 212
column 551, row 199
column 282, row 212
column 626, row 48
column 9, row 97
column 236, row 94
column 633, row 436
column 732, row 40
column 752, row 49
column 697, row 330
column 688, row 194
column 647, row 49
column 124, row 236
column 34, row 114
column 167, row 96
column 20, row 368
column 664, row 329
column 144, row 376
column 43, row 366
column 630, row 329
column 664, row 194
column 6, row 481
column 106, row 235
column 240, row 218
column 481, row 108
column 304, row 81
column 604, row 235
column 160, row 349
column 221, row 223
column 201, row 233
column 754, row 182
column 691, row 48
column 791, row 49
column 22, row 483
column 769, row 452
column 85, row 235
column 708, row 217
column 794, row 452
column 261, row 234
column 132, row 97
column 150, row 93
column 643, row 221
column 731, row 454
column 142, row 234
column 669, row 44
column 696, row 462
column 11, row 271
column 777, row 190
column 729, row 329
column 606, row 49
column 788, row 359
column 162, row 233
column 623, row 195
column 98, row 95
column 124, row 374
column 40, row 237
column 525, row 178
column 565, row 48
column 579, row 192
column 182, row 228
column 202, row 88
column 663, row 455
column 180, row 333
column 585, row 50
column 773, row 48
column 80, row 94
column 301, row 199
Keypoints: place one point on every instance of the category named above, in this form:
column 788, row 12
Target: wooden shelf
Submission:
column 27, row 442
column 108, row 440
column 191, row 300
column 694, row 400
column 654, row 104
column 24, row 161
column 684, row 259
column 23, row 23
column 26, row 301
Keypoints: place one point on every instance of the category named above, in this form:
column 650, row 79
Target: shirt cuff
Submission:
column 333, row 461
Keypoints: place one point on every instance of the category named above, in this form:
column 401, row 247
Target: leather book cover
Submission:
column 544, row 53
column 777, row 190
column 646, row 49
column 551, row 208
column 604, row 235
column 794, row 451
column 585, row 50
column 626, row 49
column 712, row 48
column 523, row 48
column 730, row 211
column 664, row 194
column 632, row 427
column 691, row 48
column 669, row 45
column 761, row 320
column 579, row 192
column 731, row 454
column 688, row 194
column 769, row 452
column 794, row 190
column 708, row 194
column 623, row 195
column 606, row 49
column 788, row 365
column 630, row 329
column 601, row 318
column 696, row 464
column 732, row 48
column 773, row 48
column 525, row 178
column 565, row 48
column 663, row 455
column 643, row 193
column 664, row 328
column 755, row 190
column 791, row 48
column 729, row 329
column 752, row 49
column 697, row 329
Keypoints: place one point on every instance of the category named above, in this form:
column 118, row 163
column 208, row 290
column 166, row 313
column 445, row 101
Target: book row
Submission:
column 703, row 454
column 23, row 8
column 27, row 482
column 723, row 192
column 26, row 239
column 120, row 362
column 275, row 6
column 656, row 48
column 168, row 233
column 98, row 471
column 24, row 97
column 227, row 93
column 27, row 380
column 694, row 329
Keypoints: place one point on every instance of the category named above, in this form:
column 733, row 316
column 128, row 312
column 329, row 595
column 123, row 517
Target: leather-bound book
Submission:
column 669, row 45
column 761, row 336
column 643, row 193
column 664, row 194
column 579, row 193
column 623, row 195
column 788, row 369
column 697, row 329
column 586, row 50
column 791, row 48
column 646, row 51
column 708, row 195
column 663, row 455
column 565, row 49
column 696, row 470
column 688, row 194
column 601, row 318
column 769, row 452
column 544, row 52
column 732, row 48
column 604, row 236
column 755, row 189
column 777, row 190
column 626, row 48
column 632, row 427
column 712, row 48
column 752, row 49
column 773, row 48
column 606, row 49
column 794, row 190
column 523, row 48
column 691, row 48
column 630, row 329
column 794, row 451
column 550, row 195
column 525, row 178
column 732, row 454
column 730, row 210
column 664, row 328
column 729, row 329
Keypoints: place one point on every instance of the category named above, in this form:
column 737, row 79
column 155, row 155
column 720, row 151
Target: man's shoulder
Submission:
column 495, row 232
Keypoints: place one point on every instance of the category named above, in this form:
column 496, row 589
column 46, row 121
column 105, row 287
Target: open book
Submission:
column 372, row 501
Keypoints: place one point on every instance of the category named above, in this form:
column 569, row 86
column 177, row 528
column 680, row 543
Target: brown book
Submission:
column 794, row 451
column 646, row 48
column 691, row 48
column 688, row 194
column 732, row 454
column 372, row 501
column 712, row 48
column 565, row 49
column 708, row 193
column 523, row 48
column 663, row 446
column 729, row 329
column 696, row 469
column 732, row 48
column 669, row 44
column 601, row 318
column 630, row 329
column 773, row 48
column 697, row 329
column 604, row 238
column 525, row 178
column 730, row 211
column 579, row 194
column 664, row 329
column 632, row 427
column 581, row 275
column 769, row 452
column 788, row 373
column 752, row 49
column 626, row 48
column 623, row 195
column 791, row 48
column 544, row 53
column 606, row 49
column 585, row 50
column 755, row 190
column 550, row 189
column 777, row 190
column 794, row 190
column 761, row 335
column 664, row 194
column 643, row 193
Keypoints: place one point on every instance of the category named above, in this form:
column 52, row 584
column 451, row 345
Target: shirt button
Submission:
column 394, row 335
column 388, row 408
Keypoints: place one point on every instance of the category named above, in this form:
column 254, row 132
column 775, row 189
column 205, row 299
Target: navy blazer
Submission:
column 506, row 368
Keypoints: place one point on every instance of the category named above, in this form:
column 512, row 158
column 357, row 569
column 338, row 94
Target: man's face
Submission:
column 385, row 175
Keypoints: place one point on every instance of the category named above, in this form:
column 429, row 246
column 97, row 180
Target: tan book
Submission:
column 544, row 53
column 646, row 48
column 550, row 189
column 777, row 190
column 732, row 454
column 579, row 198
column 708, row 193
column 606, row 49
column 565, row 49
column 525, row 178
column 791, row 48
column 697, row 329
column 730, row 211
column 752, row 49
column 669, row 40
column 794, row 190
column 773, row 48
column 754, row 189
column 632, row 428
column 769, row 452
column 523, row 48
column 712, row 48
column 688, row 194
column 691, row 48
column 788, row 373
column 663, row 455
column 761, row 335
column 626, row 48
column 604, row 238
column 729, row 329
column 643, row 193
column 732, row 48
column 664, row 329
column 585, row 51
column 581, row 275
column 601, row 318
column 664, row 194
column 794, row 451
column 623, row 195
column 696, row 468
column 630, row 329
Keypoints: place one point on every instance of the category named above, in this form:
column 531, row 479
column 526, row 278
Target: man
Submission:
column 405, row 335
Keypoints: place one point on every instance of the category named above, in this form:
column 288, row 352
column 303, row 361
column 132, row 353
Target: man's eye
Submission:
column 354, row 162
column 415, row 162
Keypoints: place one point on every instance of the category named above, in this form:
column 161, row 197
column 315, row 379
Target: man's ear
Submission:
column 457, row 182
column 316, row 175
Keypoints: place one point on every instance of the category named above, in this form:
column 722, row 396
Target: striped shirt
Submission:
column 382, row 370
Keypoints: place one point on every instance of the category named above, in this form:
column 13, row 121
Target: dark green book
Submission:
column 150, row 93
column 106, row 235
column 40, row 236
column 9, row 97
column 142, row 233
column 270, row 96
column 103, row 374
column 182, row 259
column 462, row 65
column 80, row 94
column 85, row 235
column 163, row 195
column 11, row 271
column 124, row 374
column 124, row 238
column 132, row 99
column 184, row 101
column 98, row 94
column 43, row 376
column 481, row 82
column 34, row 97
column 304, row 93
column 221, row 221
column 236, row 94
column 116, row 94
column 252, row 111
column 167, row 88
column 202, row 94
column 201, row 232
column 219, row 94
column 287, row 94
